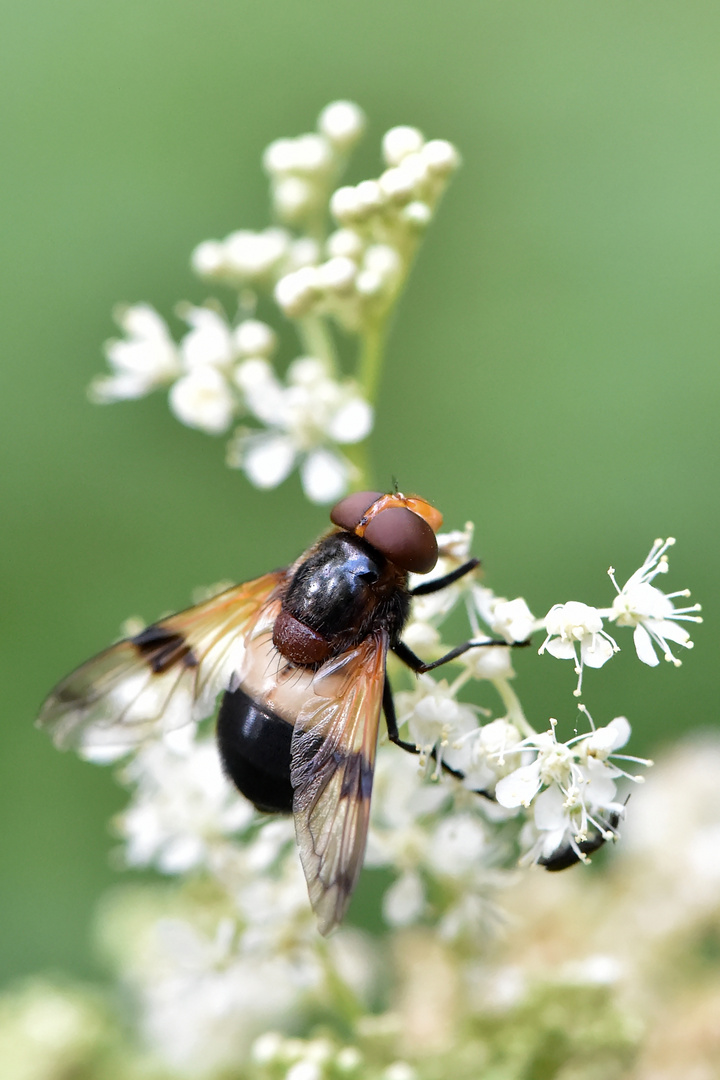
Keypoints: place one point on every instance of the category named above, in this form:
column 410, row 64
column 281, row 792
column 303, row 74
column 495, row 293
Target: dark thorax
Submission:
column 343, row 591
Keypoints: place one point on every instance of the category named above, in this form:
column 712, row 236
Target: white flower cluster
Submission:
column 574, row 627
column 218, row 373
column 221, row 372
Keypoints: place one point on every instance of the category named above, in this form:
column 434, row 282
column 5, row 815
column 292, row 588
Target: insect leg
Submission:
column 394, row 736
column 419, row 666
column 442, row 583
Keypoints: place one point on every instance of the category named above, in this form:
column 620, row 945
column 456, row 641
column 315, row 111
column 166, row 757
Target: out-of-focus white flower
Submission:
column 147, row 359
column 404, row 902
column 458, row 845
column 210, row 339
column 203, row 399
column 651, row 611
column 203, row 1001
column 182, row 804
column 255, row 338
column 244, row 257
column 572, row 624
column 305, row 418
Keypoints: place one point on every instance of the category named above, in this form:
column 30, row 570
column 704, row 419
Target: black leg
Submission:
column 393, row 735
column 420, row 667
column 442, row 583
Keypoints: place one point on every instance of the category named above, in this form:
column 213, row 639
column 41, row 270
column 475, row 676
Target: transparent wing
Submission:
column 162, row 678
column 332, row 763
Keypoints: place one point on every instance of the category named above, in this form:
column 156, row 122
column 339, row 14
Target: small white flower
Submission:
column 147, row 359
column 208, row 259
column 305, row 419
column 255, row 256
column 435, row 719
column 210, row 340
column 404, row 902
column 652, row 612
column 486, row 755
column 571, row 786
column 324, row 475
column 509, row 619
column 254, row 338
column 203, row 399
column 572, row 624
column 182, row 804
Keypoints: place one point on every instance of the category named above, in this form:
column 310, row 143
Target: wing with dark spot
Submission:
column 332, row 763
column 164, row 677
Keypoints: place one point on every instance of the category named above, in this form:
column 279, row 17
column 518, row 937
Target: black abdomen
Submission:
column 254, row 746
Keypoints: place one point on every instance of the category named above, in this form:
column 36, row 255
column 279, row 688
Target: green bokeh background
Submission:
column 552, row 372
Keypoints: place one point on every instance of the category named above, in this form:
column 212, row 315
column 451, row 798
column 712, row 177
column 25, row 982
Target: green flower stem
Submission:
column 515, row 712
column 359, row 456
column 371, row 358
column 317, row 341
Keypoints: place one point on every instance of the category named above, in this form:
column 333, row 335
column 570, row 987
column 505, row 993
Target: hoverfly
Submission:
column 300, row 655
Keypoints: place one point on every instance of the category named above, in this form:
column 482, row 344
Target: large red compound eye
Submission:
column 404, row 538
column 349, row 512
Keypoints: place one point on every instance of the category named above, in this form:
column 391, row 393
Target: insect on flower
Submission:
column 300, row 655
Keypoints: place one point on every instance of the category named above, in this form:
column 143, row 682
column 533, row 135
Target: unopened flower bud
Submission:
column 296, row 292
column 292, row 198
column 345, row 242
column 344, row 205
column 342, row 122
column 400, row 141
column 254, row 338
column 337, row 274
column 208, row 258
column 440, row 156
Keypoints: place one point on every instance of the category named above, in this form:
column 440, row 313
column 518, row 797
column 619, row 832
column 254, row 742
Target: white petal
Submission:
column 550, row 812
column 619, row 730
column 404, row 901
column 203, row 400
column 255, row 338
column 596, row 652
column 562, row 650
column 520, row 787
column 268, row 459
column 209, row 341
column 600, row 788
column 324, row 476
column 671, row 631
column 644, row 646
column 352, row 422
column 143, row 321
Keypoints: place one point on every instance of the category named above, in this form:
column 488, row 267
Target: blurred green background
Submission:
column 553, row 371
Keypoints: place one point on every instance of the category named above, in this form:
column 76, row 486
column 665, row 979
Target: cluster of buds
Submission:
column 366, row 260
column 222, row 372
